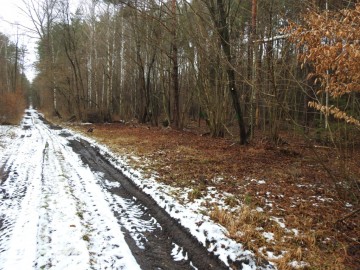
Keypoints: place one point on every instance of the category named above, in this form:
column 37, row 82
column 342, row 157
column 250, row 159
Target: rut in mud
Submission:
column 158, row 245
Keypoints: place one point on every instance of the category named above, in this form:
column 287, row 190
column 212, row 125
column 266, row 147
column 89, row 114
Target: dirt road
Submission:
column 64, row 206
column 62, row 212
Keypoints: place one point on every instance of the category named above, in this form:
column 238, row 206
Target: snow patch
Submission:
column 299, row 265
column 211, row 235
column 53, row 212
column 178, row 253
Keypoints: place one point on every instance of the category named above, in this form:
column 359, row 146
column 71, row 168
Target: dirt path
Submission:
column 156, row 246
column 58, row 211
column 53, row 213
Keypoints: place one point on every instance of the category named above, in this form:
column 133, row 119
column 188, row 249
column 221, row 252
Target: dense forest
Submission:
column 240, row 68
column 279, row 76
column 14, row 85
column 233, row 65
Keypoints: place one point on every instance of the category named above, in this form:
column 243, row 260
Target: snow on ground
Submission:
column 7, row 134
column 53, row 212
column 211, row 235
column 130, row 216
column 43, row 209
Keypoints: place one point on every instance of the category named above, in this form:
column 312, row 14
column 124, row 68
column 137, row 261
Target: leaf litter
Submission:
column 253, row 191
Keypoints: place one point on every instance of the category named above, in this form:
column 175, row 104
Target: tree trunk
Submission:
column 254, row 108
column 175, row 69
column 224, row 30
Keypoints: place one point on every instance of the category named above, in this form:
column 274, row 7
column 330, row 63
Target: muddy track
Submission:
column 159, row 244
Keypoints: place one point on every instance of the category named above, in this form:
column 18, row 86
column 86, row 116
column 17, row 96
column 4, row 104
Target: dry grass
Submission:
column 296, row 189
column 248, row 226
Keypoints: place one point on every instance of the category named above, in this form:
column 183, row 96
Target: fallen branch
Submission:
column 348, row 215
column 232, row 135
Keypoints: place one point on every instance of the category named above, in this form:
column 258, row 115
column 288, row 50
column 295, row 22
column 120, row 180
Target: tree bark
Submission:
column 175, row 69
column 254, row 108
column 220, row 18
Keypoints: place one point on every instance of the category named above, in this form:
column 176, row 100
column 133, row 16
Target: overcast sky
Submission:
column 10, row 16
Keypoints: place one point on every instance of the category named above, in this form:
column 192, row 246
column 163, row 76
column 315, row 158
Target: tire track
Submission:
column 157, row 252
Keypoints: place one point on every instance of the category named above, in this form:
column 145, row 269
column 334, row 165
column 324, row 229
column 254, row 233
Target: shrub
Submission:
column 12, row 106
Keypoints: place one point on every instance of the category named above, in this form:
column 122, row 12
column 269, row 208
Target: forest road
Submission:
column 64, row 206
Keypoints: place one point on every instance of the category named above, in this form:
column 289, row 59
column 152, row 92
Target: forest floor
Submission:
column 284, row 202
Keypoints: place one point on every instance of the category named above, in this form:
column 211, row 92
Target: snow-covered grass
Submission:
column 192, row 214
column 252, row 191
column 7, row 134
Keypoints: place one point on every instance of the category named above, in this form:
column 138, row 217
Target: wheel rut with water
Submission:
column 156, row 247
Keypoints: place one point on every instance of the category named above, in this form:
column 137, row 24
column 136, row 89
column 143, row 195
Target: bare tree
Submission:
column 219, row 10
column 43, row 15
